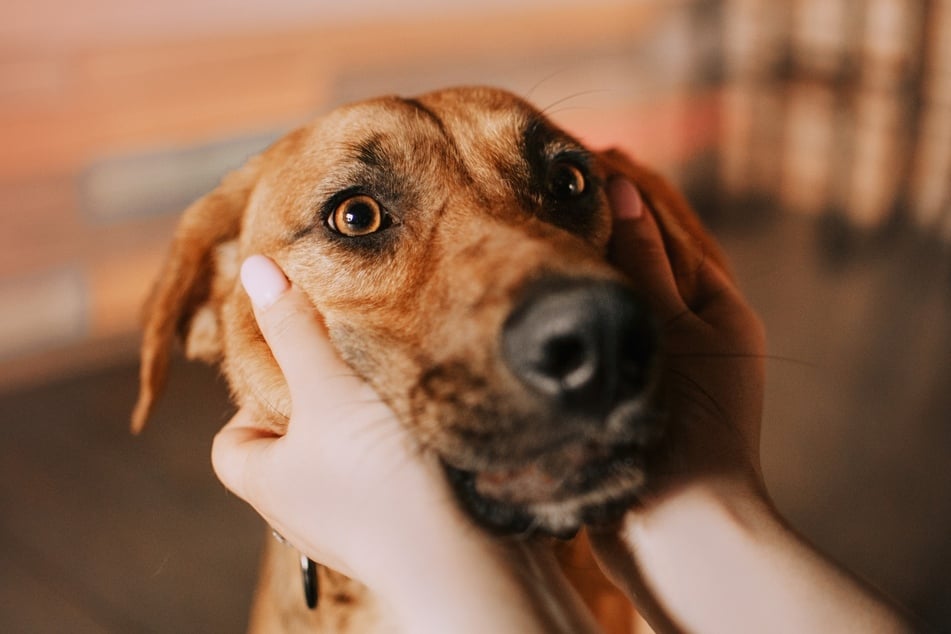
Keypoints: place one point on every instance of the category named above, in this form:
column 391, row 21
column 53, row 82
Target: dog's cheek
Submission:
column 253, row 375
column 383, row 359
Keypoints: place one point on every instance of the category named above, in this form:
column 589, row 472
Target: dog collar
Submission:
column 308, row 570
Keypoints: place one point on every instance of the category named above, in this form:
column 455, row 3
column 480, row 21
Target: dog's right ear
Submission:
column 183, row 303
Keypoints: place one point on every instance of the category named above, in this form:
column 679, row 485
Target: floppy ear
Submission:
column 687, row 242
column 184, row 301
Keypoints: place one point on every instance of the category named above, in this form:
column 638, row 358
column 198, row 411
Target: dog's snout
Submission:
column 582, row 344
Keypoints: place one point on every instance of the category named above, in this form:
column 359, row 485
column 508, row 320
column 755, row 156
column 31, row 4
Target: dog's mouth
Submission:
column 532, row 499
column 577, row 483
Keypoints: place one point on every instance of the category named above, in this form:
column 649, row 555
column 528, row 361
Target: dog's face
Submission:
column 455, row 246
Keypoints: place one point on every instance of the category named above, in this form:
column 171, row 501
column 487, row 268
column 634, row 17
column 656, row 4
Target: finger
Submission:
column 236, row 454
column 294, row 332
column 714, row 286
column 637, row 248
column 723, row 306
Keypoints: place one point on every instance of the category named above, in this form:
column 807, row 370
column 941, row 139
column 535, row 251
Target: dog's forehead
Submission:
column 481, row 117
column 477, row 101
column 478, row 136
column 474, row 121
column 478, row 127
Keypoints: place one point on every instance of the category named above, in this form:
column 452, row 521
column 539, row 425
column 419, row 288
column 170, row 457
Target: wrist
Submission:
column 469, row 582
column 741, row 499
column 686, row 548
column 718, row 557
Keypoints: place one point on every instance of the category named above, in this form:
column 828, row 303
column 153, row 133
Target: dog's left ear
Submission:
column 687, row 242
column 182, row 302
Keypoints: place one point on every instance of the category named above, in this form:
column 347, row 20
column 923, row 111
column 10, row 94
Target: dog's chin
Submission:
column 592, row 486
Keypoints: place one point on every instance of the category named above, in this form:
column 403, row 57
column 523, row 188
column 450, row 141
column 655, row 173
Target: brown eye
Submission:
column 566, row 181
column 357, row 216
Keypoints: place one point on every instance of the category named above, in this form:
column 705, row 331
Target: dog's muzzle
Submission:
column 586, row 353
column 583, row 346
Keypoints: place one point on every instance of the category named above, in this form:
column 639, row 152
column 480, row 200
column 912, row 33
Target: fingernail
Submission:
column 263, row 280
column 625, row 199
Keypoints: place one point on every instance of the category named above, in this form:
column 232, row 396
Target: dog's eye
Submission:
column 566, row 180
column 357, row 216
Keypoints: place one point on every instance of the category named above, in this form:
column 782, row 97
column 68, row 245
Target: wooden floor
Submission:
column 104, row 532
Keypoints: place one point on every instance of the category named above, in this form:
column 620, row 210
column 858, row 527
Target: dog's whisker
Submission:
column 570, row 108
column 379, row 427
column 528, row 531
column 690, row 398
column 691, row 391
column 700, row 390
column 341, row 376
column 743, row 355
column 547, row 78
column 366, row 401
column 581, row 93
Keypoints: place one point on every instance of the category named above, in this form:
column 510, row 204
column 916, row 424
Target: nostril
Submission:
column 568, row 360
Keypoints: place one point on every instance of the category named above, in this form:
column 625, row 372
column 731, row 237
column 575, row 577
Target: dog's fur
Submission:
column 416, row 308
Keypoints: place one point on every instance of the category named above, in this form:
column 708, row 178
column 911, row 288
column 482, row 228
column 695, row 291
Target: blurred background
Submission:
column 814, row 136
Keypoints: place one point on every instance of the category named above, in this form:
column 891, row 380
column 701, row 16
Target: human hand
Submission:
column 345, row 468
column 713, row 371
column 705, row 550
column 350, row 488
column 714, row 379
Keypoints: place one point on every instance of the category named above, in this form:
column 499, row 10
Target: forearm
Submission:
column 724, row 562
column 467, row 582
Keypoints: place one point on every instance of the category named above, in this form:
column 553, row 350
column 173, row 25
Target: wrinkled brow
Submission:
column 371, row 152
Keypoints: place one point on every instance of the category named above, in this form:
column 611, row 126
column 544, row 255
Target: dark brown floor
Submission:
column 103, row 532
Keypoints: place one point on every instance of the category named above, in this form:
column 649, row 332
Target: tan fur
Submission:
column 418, row 317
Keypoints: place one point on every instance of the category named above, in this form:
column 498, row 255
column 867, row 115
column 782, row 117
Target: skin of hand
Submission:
column 705, row 550
column 349, row 487
column 714, row 369
column 715, row 380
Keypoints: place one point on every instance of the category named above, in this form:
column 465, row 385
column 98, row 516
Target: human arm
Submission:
column 705, row 550
column 716, row 559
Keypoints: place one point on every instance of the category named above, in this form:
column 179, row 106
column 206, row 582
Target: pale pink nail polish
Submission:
column 625, row 199
column 263, row 281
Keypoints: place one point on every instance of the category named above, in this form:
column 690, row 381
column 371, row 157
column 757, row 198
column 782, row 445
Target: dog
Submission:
column 455, row 246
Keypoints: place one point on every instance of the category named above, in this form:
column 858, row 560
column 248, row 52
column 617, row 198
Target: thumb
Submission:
column 637, row 248
column 295, row 333
column 236, row 454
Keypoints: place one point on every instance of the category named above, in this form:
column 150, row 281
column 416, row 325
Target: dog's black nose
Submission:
column 583, row 344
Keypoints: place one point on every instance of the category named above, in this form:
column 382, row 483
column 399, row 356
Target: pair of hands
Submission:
column 348, row 486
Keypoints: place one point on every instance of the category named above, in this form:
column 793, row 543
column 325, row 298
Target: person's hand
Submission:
column 705, row 550
column 346, row 485
column 349, row 487
column 714, row 379
column 714, row 362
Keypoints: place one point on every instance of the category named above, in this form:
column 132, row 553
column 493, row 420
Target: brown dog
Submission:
column 455, row 246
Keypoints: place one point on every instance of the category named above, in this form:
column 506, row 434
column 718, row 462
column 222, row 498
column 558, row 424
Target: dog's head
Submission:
column 455, row 246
